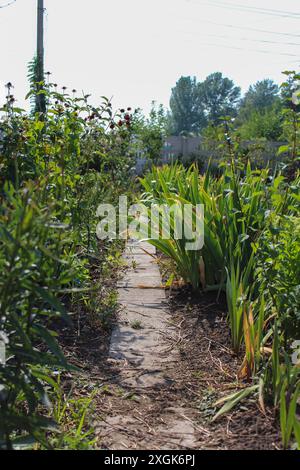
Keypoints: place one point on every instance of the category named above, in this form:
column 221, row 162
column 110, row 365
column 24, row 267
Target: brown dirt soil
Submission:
column 205, row 372
column 211, row 374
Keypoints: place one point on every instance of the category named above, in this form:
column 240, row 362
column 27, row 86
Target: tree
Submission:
column 260, row 112
column 219, row 97
column 187, row 115
column 266, row 124
column 149, row 132
column 260, row 96
column 290, row 91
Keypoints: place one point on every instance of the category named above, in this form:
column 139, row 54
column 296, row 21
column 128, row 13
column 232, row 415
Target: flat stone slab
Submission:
column 142, row 260
column 141, row 295
column 176, row 431
column 144, row 315
column 140, row 248
column 142, row 337
column 143, row 349
column 142, row 281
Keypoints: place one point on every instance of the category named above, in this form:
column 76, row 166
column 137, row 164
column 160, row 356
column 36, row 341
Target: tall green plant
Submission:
column 54, row 173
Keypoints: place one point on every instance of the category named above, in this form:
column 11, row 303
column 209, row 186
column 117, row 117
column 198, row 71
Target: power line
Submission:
column 258, row 9
column 277, row 33
column 263, row 41
column 266, row 41
column 249, row 50
column 244, row 8
column 274, row 13
column 8, row 4
column 232, row 26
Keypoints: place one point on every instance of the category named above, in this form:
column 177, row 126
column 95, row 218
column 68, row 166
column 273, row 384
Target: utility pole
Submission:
column 40, row 98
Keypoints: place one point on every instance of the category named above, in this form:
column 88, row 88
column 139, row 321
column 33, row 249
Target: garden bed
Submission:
column 206, row 371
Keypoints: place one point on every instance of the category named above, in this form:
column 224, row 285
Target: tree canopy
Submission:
column 260, row 96
column 196, row 105
column 187, row 114
column 193, row 105
column 219, row 97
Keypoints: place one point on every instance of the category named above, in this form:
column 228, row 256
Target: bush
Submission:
column 55, row 170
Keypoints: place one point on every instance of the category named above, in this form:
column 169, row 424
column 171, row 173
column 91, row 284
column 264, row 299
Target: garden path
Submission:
column 143, row 349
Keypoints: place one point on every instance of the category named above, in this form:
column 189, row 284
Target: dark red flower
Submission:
column 127, row 117
column 120, row 123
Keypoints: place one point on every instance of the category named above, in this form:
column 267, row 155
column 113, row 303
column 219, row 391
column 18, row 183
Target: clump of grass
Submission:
column 136, row 325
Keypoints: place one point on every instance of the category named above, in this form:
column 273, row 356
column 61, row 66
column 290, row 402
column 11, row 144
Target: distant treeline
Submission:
column 198, row 107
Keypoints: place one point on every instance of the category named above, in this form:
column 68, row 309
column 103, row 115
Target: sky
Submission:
column 134, row 51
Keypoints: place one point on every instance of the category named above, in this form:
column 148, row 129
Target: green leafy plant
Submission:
column 54, row 173
column 251, row 252
column 288, row 414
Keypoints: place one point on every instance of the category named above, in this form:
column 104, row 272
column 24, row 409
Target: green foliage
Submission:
column 235, row 215
column 71, row 415
column 219, row 97
column 148, row 133
column 278, row 269
column 169, row 187
column 288, row 414
column 260, row 96
column 291, row 124
column 289, row 90
column 264, row 114
column 187, row 111
column 54, row 173
column 267, row 114
column 36, row 80
column 262, row 124
column 232, row 400
column 194, row 105
column 251, row 251
column 260, row 114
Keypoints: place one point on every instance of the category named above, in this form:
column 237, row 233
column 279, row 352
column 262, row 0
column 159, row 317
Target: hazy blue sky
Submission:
column 135, row 50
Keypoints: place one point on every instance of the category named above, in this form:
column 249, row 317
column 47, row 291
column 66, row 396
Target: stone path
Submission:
column 140, row 340
column 143, row 347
